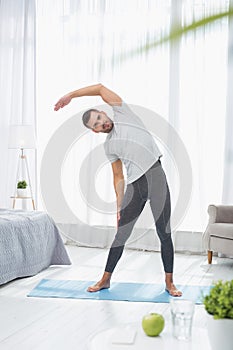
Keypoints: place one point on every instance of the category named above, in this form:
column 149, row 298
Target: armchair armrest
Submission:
column 220, row 213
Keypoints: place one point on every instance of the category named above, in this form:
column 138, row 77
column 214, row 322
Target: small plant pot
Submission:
column 220, row 333
column 22, row 192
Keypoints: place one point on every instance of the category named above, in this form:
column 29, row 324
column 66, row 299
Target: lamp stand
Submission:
column 23, row 160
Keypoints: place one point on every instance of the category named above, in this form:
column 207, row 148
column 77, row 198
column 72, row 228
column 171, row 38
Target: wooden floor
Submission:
column 59, row 324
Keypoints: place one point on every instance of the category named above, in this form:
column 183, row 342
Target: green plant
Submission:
column 219, row 302
column 22, row 184
column 176, row 33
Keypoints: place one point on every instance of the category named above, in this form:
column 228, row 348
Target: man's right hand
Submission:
column 65, row 100
column 118, row 218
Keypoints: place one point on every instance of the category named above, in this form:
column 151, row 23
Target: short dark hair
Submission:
column 86, row 116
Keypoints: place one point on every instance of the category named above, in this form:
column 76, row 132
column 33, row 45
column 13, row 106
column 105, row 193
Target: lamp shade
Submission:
column 22, row 136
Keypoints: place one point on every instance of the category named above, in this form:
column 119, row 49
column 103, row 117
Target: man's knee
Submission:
column 165, row 237
column 119, row 241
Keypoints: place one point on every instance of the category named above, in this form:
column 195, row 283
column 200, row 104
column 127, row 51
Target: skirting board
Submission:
column 143, row 239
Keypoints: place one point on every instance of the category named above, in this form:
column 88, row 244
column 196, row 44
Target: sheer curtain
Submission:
column 82, row 42
column 203, row 83
column 227, row 196
column 17, row 87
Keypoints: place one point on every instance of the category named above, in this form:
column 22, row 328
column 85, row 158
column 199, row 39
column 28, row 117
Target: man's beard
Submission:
column 108, row 128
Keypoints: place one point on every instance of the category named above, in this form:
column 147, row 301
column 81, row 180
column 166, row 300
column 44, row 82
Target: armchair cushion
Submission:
column 221, row 230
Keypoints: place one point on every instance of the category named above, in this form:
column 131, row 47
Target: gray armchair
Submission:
column 218, row 236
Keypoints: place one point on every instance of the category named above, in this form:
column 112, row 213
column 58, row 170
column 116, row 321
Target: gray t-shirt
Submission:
column 131, row 142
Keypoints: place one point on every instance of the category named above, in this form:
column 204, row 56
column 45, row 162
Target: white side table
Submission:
column 17, row 197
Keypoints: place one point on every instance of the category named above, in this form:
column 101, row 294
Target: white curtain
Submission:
column 17, row 88
column 227, row 196
column 79, row 43
column 202, row 102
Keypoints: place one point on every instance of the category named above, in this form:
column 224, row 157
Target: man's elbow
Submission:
column 101, row 86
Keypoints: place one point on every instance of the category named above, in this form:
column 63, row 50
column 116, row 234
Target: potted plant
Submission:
column 22, row 189
column 219, row 306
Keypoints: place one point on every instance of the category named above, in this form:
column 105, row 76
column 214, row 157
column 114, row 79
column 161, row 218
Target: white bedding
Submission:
column 29, row 243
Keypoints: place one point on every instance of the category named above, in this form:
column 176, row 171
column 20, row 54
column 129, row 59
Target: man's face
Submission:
column 100, row 122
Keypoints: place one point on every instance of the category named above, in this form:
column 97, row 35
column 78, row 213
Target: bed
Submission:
column 29, row 243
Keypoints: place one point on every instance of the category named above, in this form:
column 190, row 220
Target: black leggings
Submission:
column 153, row 186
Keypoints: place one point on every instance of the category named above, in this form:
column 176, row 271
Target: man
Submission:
column 129, row 142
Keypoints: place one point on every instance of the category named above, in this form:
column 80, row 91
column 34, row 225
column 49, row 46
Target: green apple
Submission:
column 153, row 324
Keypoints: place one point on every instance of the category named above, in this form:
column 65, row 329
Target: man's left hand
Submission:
column 65, row 100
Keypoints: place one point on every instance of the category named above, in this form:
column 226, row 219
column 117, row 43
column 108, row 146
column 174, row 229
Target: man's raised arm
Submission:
column 107, row 95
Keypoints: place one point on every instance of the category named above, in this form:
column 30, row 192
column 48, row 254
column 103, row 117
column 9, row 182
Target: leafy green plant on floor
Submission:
column 219, row 302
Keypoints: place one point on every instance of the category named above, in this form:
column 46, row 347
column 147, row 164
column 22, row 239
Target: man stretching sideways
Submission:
column 129, row 142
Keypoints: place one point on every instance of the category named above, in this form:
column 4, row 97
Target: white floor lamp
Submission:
column 22, row 137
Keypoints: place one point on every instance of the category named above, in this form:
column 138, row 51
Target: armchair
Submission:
column 218, row 236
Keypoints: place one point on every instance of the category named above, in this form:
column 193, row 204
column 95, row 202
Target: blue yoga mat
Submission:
column 141, row 292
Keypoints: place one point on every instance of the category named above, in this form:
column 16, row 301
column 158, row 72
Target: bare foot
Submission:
column 98, row 286
column 173, row 291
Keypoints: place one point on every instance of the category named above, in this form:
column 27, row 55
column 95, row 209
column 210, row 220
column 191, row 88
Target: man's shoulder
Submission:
column 123, row 112
column 109, row 136
column 124, row 115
